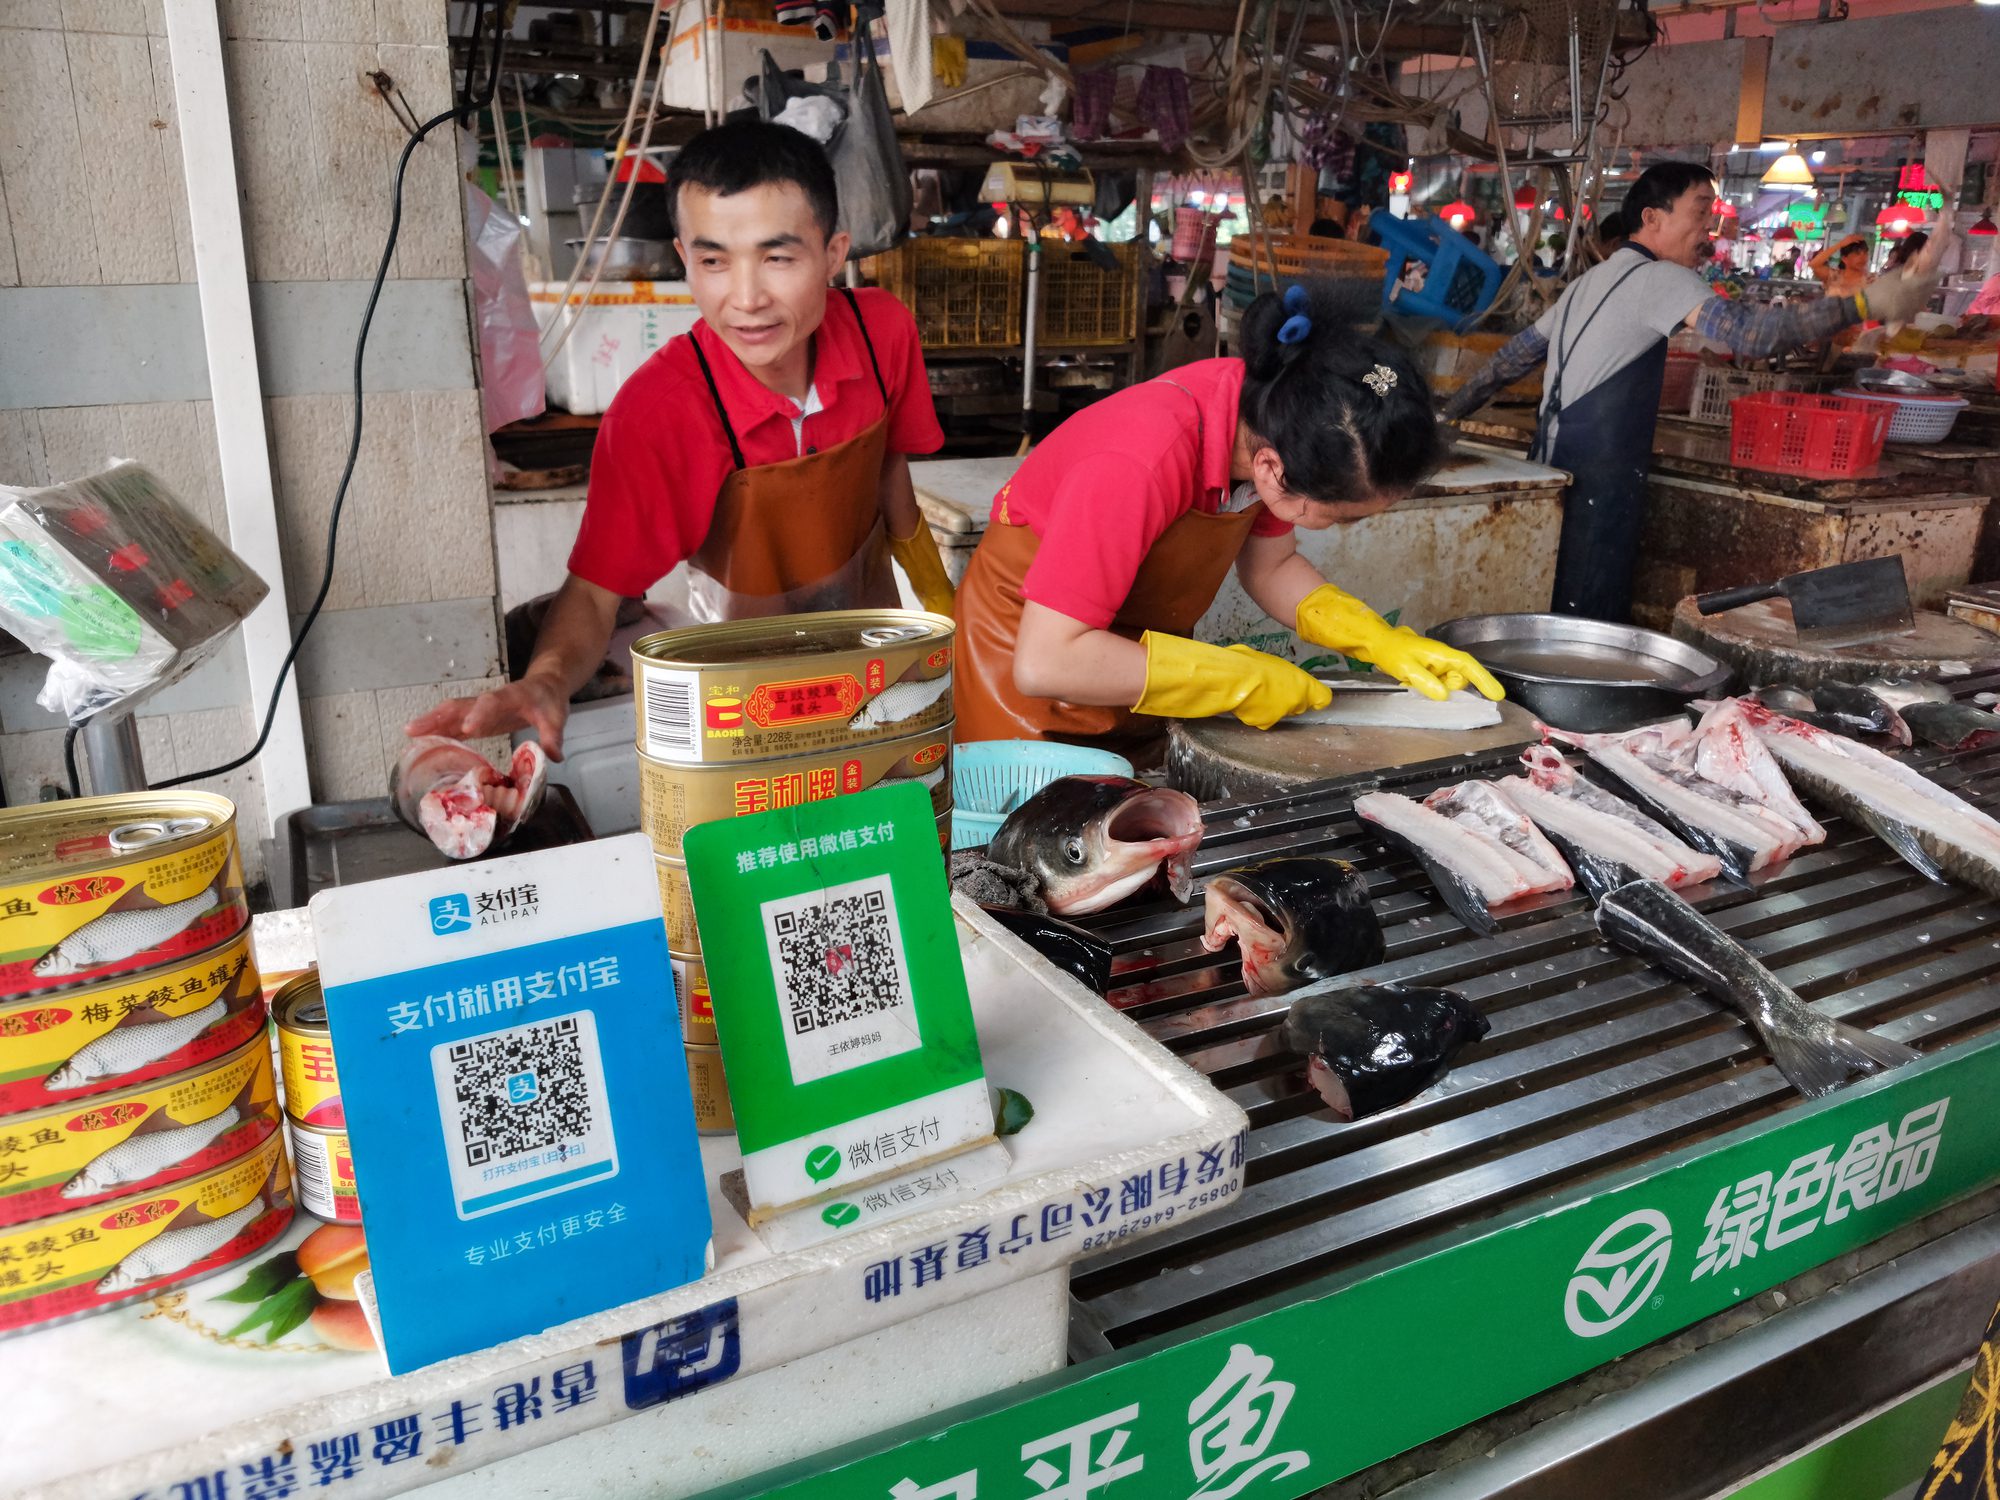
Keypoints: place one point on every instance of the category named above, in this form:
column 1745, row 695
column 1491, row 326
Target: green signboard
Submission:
column 839, row 993
column 1298, row 1392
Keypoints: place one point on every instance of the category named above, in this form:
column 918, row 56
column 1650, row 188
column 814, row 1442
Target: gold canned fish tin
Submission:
column 137, row 1139
column 110, row 885
column 323, row 1165
column 791, row 685
column 712, row 1112
column 677, row 899
column 85, row 1260
column 673, row 799
column 305, row 1055
column 72, row 1044
column 692, row 1000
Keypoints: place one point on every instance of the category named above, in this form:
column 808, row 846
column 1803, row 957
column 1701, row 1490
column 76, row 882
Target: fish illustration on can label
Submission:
column 70, row 1044
column 139, row 1138
column 84, row 1260
column 108, row 885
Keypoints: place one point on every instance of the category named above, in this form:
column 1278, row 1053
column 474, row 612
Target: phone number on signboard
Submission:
column 1164, row 1216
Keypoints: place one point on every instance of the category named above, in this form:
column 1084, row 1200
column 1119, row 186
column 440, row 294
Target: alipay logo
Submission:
column 1618, row 1273
column 450, row 914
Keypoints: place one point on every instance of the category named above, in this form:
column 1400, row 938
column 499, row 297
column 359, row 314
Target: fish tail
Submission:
column 1821, row 1055
column 1873, row 1053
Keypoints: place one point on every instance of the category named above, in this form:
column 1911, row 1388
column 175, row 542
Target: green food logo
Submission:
column 822, row 1162
column 840, row 1215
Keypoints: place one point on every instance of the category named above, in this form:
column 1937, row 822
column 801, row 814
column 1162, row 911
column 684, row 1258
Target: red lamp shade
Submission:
column 1897, row 219
column 1725, row 208
column 1784, row 236
column 1458, row 213
column 1524, row 196
column 1985, row 228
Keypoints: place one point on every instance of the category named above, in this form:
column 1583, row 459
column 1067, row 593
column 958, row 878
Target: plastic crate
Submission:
column 1079, row 302
column 990, row 778
column 1820, row 437
column 1716, row 386
column 964, row 294
column 1460, row 280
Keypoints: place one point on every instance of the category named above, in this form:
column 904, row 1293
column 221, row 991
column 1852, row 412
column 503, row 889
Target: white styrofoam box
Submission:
column 621, row 326
column 709, row 59
column 600, row 765
column 1112, row 1107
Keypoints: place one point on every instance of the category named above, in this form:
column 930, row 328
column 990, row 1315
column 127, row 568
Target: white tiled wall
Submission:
column 91, row 195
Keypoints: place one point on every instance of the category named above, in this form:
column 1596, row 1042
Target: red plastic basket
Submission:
column 1821, row 437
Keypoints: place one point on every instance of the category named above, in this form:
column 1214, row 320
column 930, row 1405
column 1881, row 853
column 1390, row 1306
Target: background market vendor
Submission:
column 1110, row 542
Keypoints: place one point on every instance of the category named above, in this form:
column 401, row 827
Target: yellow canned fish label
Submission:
column 713, row 1114
column 136, row 1139
column 86, row 1259
column 673, row 799
column 692, row 999
column 677, row 904
column 324, row 1164
column 791, row 685
column 109, row 885
column 71, row 1044
column 305, row 1055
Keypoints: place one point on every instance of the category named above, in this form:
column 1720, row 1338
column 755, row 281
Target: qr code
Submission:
column 523, row 1111
column 520, row 1090
column 838, row 958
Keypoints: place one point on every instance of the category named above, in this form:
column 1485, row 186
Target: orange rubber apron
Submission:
column 800, row 535
column 1177, row 581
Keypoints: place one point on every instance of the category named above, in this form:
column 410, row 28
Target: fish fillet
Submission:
column 147, row 1153
column 1940, row 834
column 1372, row 708
column 127, row 1046
column 119, row 934
column 172, row 1252
column 900, row 701
column 1476, row 806
column 1658, row 764
column 1473, row 870
column 1594, row 829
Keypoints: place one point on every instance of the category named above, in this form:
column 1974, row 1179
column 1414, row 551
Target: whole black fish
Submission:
column 1371, row 1048
column 1815, row 1053
column 1069, row 947
column 1294, row 921
column 1091, row 841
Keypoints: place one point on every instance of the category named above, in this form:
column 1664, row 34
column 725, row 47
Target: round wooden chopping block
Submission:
column 1760, row 642
column 1223, row 759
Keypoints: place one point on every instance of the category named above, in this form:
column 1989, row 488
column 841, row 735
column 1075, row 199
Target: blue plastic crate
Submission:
column 990, row 778
column 1460, row 280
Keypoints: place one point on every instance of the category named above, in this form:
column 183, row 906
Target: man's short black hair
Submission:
column 1661, row 187
column 742, row 154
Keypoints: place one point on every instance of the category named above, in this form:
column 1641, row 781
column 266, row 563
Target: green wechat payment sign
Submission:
column 839, row 994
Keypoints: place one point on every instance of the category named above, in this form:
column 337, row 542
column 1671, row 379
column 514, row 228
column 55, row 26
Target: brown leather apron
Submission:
column 1177, row 581
column 800, row 535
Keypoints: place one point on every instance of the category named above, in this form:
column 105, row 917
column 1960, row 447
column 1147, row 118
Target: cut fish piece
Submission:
column 1473, row 869
column 1726, row 752
column 459, row 800
column 1940, row 834
column 1477, row 806
column 1605, row 839
column 1657, row 763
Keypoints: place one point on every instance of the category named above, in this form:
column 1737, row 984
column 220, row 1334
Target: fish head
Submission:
column 1266, row 939
column 1294, row 920
column 55, row 963
column 1546, row 766
column 118, row 1280
column 1091, row 841
column 1900, row 692
column 1371, row 1048
column 1783, row 698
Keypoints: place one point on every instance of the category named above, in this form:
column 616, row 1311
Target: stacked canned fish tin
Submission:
column 139, row 1125
column 315, row 1119
column 754, row 715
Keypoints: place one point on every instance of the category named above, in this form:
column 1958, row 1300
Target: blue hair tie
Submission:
column 1298, row 327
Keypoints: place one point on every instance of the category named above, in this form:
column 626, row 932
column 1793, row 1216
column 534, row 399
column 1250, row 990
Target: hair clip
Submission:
column 1381, row 380
column 1295, row 298
column 1295, row 329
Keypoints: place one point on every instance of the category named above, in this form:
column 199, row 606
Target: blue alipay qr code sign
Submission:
column 522, row 1136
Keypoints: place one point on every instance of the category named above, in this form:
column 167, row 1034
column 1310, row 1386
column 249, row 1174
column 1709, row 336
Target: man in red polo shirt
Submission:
column 767, row 448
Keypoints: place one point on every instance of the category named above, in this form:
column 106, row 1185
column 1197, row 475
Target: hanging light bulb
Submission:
column 1789, row 170
column 1458, row 214
column 1984, row 227
column 1524, row 196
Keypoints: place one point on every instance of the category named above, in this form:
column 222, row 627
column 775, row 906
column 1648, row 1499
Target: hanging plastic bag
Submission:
column 510, row 353
column 115, row 583
column 868, row 170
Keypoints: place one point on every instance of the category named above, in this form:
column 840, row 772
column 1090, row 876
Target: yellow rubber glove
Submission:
column 1191, row 680
column 918, row 553
column 1330, row 617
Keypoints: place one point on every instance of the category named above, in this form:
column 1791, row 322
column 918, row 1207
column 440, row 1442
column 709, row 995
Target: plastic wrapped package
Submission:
column 510, row 341
column 116, row 582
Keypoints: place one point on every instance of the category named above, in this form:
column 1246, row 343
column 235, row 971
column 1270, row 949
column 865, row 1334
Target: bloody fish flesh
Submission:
column 1815, row 1053
column 1606, row 840
column 460, row 800
column 1376, row 1046
column 1294, row 921
column 1090, row 841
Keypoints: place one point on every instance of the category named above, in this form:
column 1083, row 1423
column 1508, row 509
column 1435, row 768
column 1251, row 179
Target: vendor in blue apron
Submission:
column 1605, row 343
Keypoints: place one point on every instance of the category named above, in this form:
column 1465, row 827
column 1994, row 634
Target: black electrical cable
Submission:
column 463, row 110
column 69, row 761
